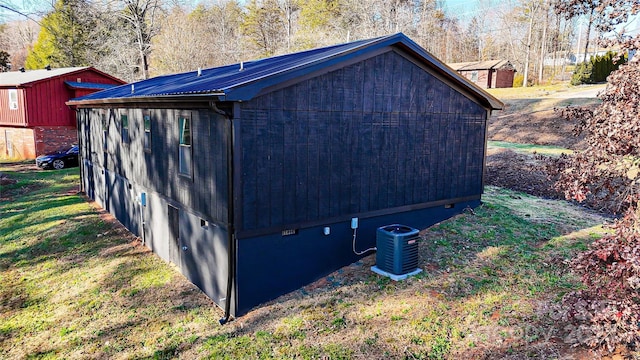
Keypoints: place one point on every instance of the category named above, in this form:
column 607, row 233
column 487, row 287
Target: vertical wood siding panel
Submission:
column 355, row 161
column 325, row 93
column 439, row 97
column 369, row 85
column 289, row 166
column 396, row 95
column 34, row 114
column 313, row 164
column 434, row 151
column 315, row 93
column 262, row 171
column 221, row 176
column 414, row 90
column 206, row 202
column 405, row 143
column 349, row 86
column 358, row 86
column 303, row 96
column 37, row 115
column 334, row 168
column 455, row 157
column 444, row 156
column 418, row 177
column 277, row 101
column 393, row 187
column 276, row 165
column 376, row 161
column 367, row 161
column 410, row 139
column 302, row 166
column 324, row 161
column 471, row 157
column 249, row 168
column 337, row 93
column 391, row 72
column 468, row 145
column 454, row 101
column 344, row 161
column 165, row 136
column 379, row 84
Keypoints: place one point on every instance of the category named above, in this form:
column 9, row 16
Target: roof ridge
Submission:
column 228, row 83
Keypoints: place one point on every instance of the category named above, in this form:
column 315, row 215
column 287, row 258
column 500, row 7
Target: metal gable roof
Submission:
column 241, row 82
column 482, row 65
column 18, row 78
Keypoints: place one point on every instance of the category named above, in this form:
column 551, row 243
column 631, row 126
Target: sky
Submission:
column 28, row 7
column 463, row 9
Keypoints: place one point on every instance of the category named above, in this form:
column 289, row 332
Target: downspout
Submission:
column 230, row 215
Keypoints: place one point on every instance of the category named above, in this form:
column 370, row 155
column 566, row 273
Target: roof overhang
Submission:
column 204, row 98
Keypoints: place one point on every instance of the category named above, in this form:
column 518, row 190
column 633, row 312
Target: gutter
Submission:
column 146, row 99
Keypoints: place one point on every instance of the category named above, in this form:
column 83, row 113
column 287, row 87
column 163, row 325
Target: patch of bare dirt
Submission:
column 6, row 180
column 533, row 121
column 22, row 167
column 521, row 172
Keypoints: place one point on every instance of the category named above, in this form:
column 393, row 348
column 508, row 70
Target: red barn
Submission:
column 34, row 119
column 487, row 74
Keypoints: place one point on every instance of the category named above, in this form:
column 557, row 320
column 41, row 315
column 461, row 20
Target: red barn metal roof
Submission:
column 19, row 78
column 482, row 65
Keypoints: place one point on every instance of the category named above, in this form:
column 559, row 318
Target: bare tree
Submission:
column 531, row 9
column 207, row 37
column 17, row 37
column 142, row 17
column 576, row 9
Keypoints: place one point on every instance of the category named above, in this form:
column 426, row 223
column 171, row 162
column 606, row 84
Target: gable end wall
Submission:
column 378, row 134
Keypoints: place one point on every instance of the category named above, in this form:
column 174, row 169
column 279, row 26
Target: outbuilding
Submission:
column 487, row 74
column 34, row 119
column 248, row 176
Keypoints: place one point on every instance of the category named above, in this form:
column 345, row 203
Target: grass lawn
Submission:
column 548, row 150
column 75, row 285
column 537, row 91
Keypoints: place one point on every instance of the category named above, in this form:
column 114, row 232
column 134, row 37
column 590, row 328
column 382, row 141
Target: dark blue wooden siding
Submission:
column 374, row 135
column 117, row 177
column 205, row 193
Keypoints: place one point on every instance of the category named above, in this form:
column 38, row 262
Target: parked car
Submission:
column 60, row 159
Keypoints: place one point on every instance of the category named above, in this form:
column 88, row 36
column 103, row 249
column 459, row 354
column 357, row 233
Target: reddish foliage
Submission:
column 607, row 173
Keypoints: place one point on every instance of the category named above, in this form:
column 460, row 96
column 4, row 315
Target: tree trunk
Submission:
column 543, row 47
column 526, row 61
column 586, row 43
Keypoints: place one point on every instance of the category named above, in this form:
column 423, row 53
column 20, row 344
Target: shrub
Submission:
column 607, row 173
column 518, row 80
column 582, row 74
column 597, row 69
column 607, row 312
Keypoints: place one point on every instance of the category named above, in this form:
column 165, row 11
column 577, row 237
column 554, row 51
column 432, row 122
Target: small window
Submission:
column 124, row 121
column 147, row 131
column 13, row 99
column 474, row 76
column 105, row 131
column 185, row 145
column 204, row 223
